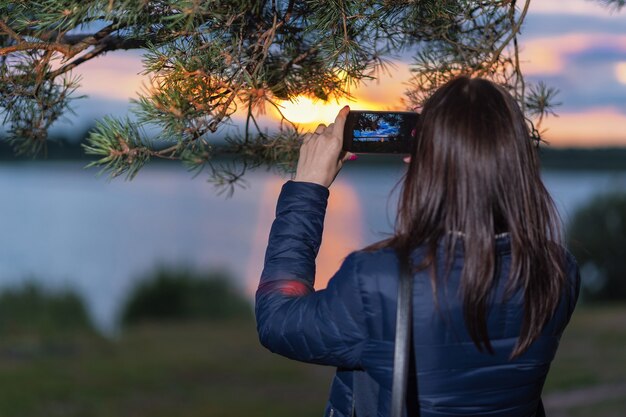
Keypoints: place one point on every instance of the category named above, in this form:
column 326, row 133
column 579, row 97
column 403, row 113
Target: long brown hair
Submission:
column 475, row 170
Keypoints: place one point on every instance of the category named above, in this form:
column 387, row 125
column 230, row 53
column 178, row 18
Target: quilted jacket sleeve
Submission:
column 327, row 326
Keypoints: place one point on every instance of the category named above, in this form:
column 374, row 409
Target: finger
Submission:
column 407, row 159
column 320, row 128
column 340, row 122
column 349, row 156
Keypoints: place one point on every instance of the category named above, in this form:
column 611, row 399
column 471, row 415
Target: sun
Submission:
column 305, row 111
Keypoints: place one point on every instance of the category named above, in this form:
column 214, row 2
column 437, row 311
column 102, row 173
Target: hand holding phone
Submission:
column 321, row 156
column 379, row 131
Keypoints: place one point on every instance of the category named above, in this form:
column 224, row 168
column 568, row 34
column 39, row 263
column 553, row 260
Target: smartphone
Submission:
column 379, row 131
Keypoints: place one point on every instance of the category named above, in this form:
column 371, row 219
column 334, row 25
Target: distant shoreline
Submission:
column 605, row 158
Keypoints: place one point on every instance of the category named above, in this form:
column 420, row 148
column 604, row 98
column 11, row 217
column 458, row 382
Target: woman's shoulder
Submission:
column 383, row 259
column 379, row 255
column 372, row 260
column 386, row 256
column 365, row 255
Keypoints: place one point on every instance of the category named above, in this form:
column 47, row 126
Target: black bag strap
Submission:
column 403, row 337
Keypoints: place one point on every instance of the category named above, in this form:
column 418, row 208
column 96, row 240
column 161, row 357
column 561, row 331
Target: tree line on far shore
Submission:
column 579, row 158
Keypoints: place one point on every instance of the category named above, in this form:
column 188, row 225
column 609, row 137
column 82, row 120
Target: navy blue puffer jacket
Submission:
column 351, row 324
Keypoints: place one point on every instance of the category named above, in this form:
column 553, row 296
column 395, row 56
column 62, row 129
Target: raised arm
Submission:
column 325, row 327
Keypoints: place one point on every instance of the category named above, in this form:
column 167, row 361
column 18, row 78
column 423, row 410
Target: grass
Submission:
column 218, row 368
column 592, row 349
column 183, row 370
column 610, row 408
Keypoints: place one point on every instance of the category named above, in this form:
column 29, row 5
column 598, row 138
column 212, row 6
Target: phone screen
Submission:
column 379, row 131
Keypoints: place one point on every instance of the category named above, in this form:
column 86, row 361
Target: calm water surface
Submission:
column 62, row 226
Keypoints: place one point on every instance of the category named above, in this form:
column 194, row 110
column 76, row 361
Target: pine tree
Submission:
column 207, row 59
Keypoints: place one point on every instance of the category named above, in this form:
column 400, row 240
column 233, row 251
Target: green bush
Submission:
column 32, row 310
column 597, row 238
column 182, row 294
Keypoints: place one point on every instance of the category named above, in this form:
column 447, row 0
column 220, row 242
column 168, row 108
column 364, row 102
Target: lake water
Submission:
column 63, row 226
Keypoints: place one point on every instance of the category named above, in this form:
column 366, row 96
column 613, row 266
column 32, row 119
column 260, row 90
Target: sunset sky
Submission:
column 577, row 46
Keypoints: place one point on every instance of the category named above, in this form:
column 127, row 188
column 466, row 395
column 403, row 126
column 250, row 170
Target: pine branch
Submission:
column 8, row 31
column 122, row 146
column 29, row 46
column 206, row 60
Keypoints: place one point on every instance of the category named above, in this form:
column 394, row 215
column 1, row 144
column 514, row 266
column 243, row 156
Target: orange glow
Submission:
column 308, row 113
column 620, row 72
column 595, row 127
column 537, row 58
column 383, row 94
column 342, row 231
column 303, row 110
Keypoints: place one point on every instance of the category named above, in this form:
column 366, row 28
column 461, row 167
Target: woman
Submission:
column 493, row 286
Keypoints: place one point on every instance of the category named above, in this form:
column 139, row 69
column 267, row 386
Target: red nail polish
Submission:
column 353, row 157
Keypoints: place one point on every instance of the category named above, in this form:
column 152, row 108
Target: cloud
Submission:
column 583, row 67
column 570, row 7
column 542, row 25
column 551, row 55
column 114, row 76
column 601, row 126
